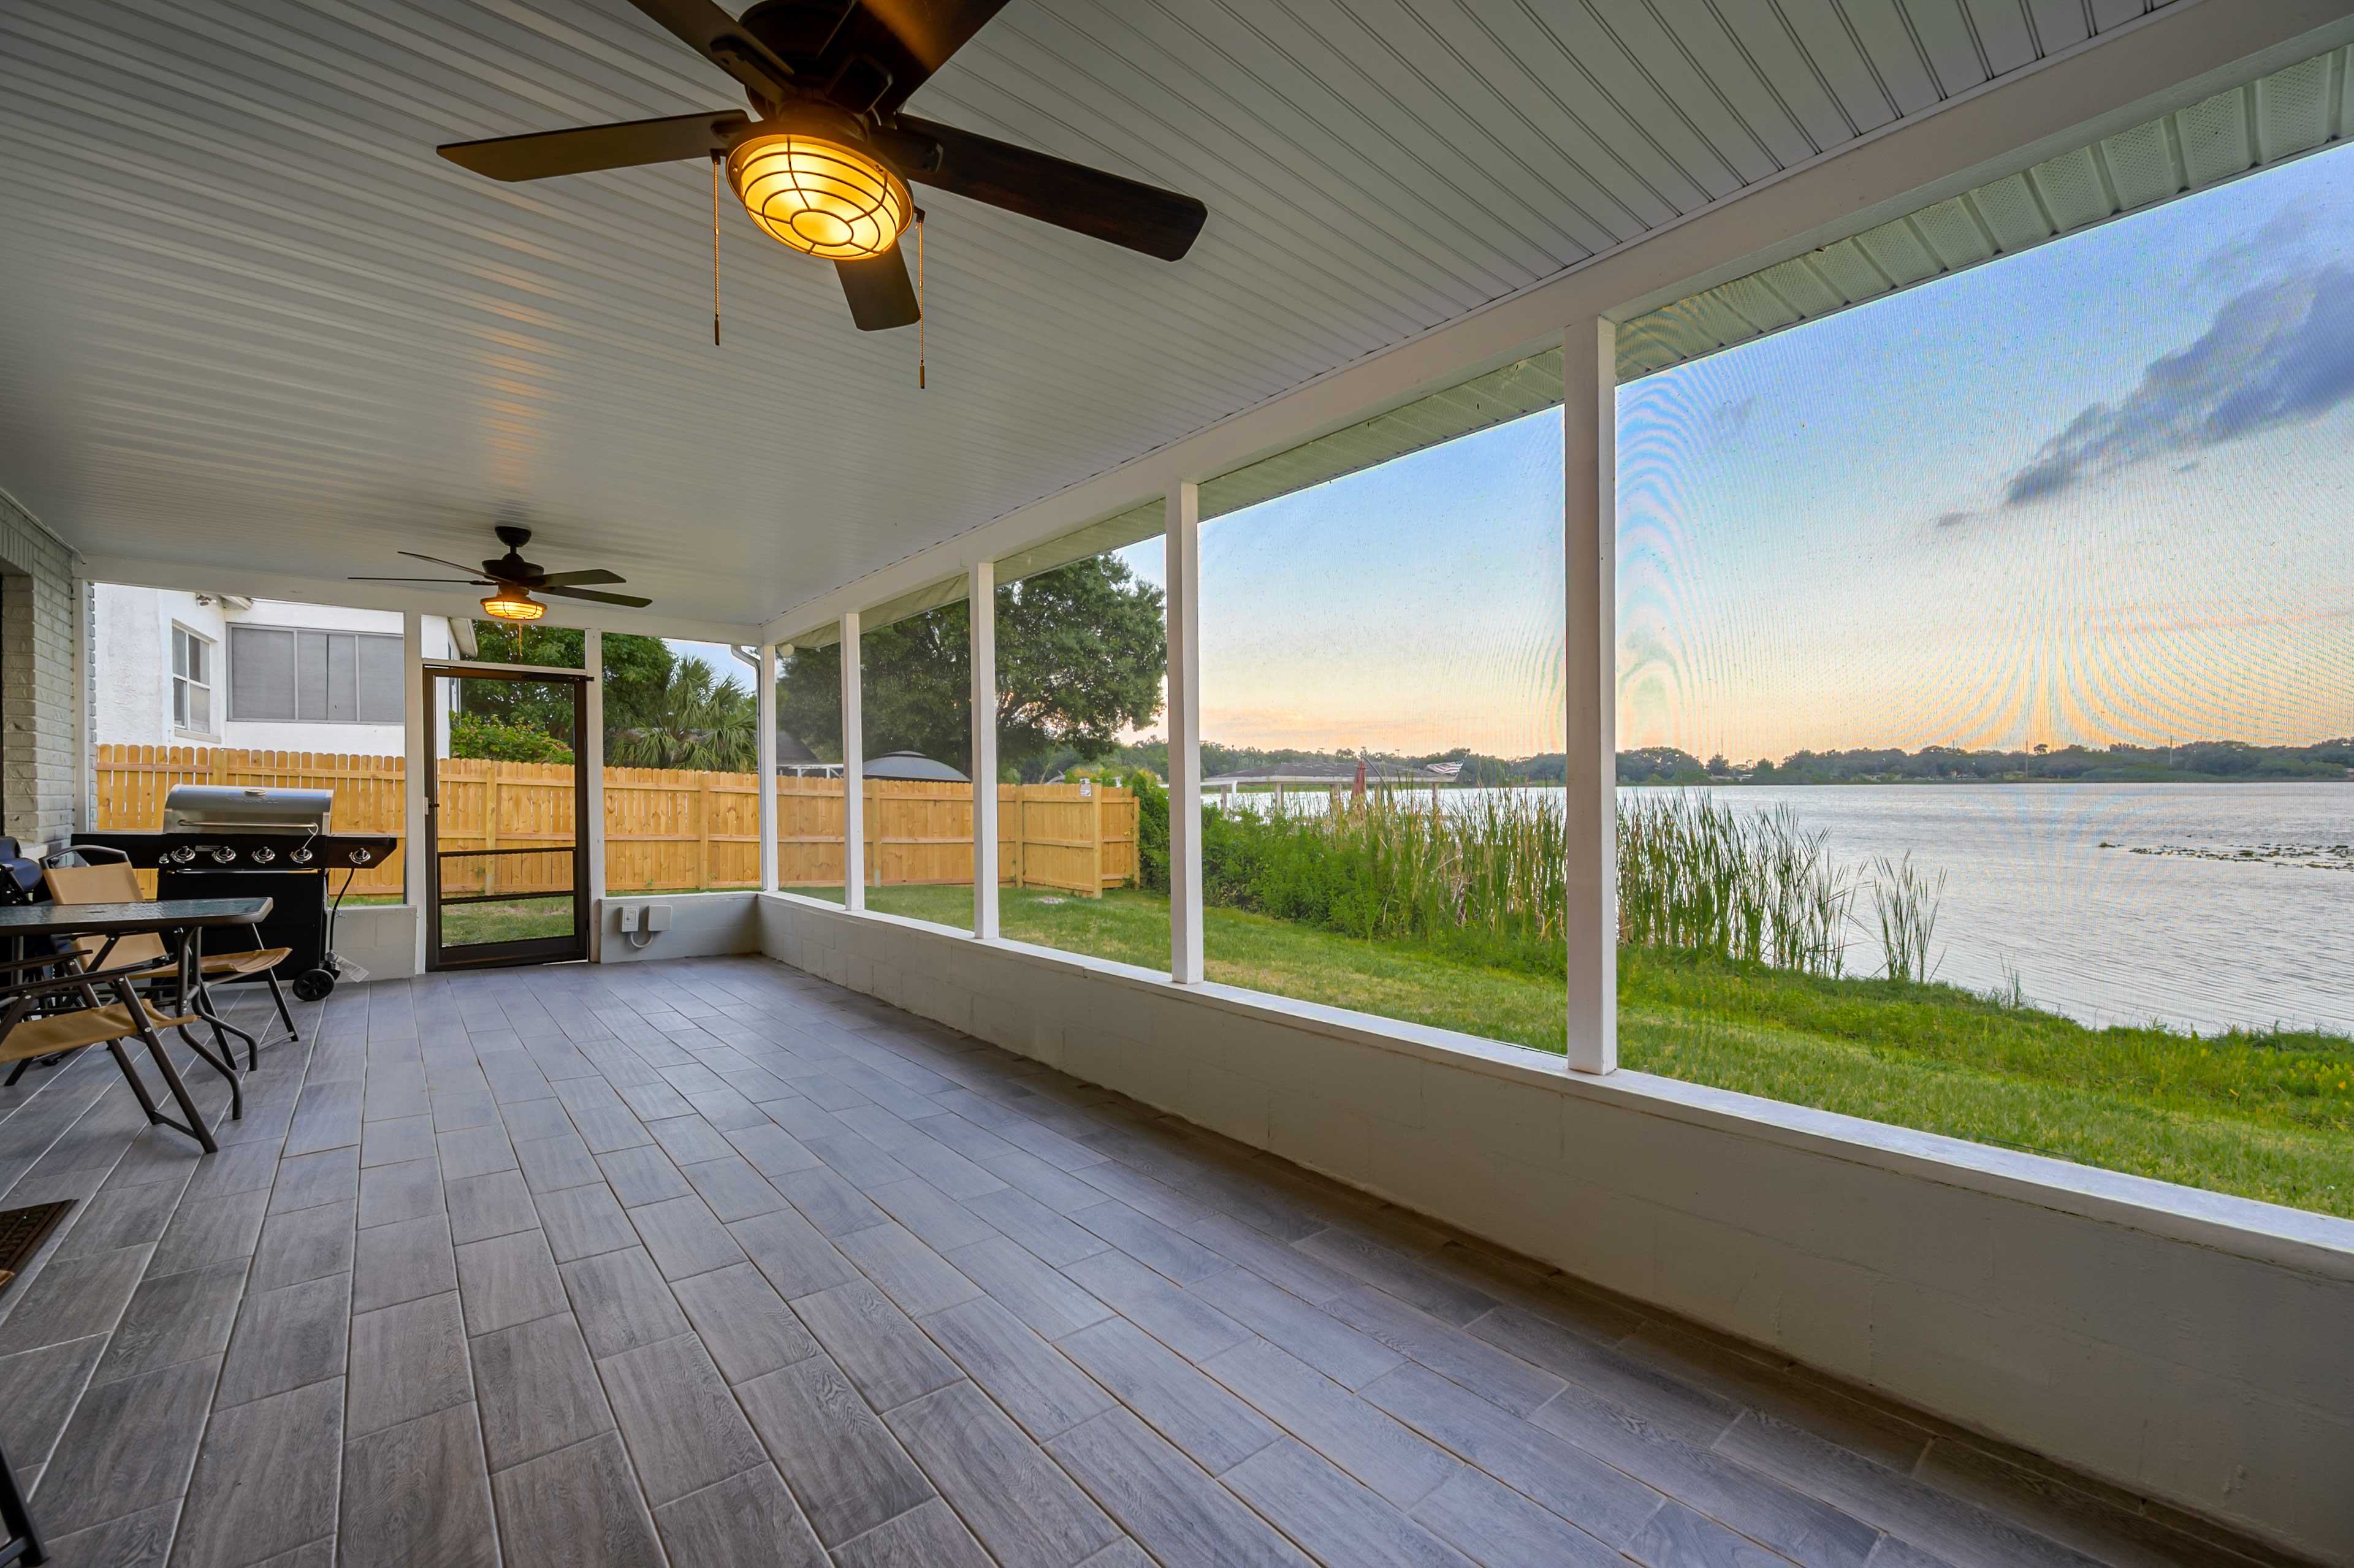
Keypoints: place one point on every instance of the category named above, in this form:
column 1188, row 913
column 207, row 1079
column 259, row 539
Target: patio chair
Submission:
column 115, row 881
column 52, row 1014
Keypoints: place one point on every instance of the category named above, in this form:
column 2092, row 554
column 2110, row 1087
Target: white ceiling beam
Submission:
column 2171, row 58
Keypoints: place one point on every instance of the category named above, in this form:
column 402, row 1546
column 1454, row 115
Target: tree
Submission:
column 695, row 720
column 1081, row 653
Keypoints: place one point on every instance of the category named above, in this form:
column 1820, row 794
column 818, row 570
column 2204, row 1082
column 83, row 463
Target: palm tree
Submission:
column 695, row 720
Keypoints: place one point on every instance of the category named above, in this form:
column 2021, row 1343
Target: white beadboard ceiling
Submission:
column 2276, row 118
column 250, row 323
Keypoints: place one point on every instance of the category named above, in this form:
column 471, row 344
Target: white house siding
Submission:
column 132, row 664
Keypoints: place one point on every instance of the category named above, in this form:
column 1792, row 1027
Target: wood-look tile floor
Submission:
column 709, row 1263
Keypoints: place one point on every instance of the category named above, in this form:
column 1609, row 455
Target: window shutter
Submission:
column 260, row 673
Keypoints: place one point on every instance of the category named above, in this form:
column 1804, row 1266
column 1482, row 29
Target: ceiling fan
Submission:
column 514, row 580
column 822, row 163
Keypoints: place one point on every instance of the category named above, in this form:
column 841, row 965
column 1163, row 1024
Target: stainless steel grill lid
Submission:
column 191, row 808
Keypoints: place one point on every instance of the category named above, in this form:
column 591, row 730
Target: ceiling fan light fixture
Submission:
column 820, row 195
column 513, row 604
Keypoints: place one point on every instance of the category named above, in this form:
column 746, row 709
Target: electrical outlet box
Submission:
column 655, row 917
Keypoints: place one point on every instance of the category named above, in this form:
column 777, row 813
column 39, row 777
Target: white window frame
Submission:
column 176, row 683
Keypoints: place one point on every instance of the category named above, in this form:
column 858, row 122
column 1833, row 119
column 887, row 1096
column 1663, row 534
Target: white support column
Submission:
column 413, row 727
column 1182, row 551
column 765, row 687
column 589, row 751
column 1590, row 551
column 980, row 612
column 854, row 773
column 85, row 806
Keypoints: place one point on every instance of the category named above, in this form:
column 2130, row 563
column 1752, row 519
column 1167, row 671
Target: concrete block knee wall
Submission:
column 2191, row 1348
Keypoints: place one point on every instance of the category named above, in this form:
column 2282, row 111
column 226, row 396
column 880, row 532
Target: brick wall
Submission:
column 38, row 670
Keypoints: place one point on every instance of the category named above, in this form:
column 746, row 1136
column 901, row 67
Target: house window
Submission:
column 192, row 680
column 283, row 674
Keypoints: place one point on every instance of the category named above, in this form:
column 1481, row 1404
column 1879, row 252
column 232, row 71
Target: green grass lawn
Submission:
column 2267, row 1115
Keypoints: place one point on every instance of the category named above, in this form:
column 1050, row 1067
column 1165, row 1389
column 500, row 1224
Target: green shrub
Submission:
column 495, row 739
column 1151, row 829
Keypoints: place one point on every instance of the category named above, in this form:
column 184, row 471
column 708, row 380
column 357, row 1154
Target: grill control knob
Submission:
column 299, row 856
column 263, row 855
column 223, row 855
column 180, row 856
column 363, row 856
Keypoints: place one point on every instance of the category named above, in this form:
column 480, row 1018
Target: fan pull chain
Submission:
column 919, row 299
column 715, row 250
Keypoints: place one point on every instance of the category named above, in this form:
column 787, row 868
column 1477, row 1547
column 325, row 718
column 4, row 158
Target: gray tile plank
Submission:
column 286, row 1338
column 1797, row 1526
column 830, row 1203
column 529, row 1120
column 139, row 1539
column 1680, row 1537
column 1491, row 1523
column 332, row 1176
column 688, row 1138
column 118, row 1217
column 1697, row 1415
column 396, row 1140
column 846, row 1468
column 1411, row 1280
column 38, row 1389
column 1147, row 1240
column 885, row 1356
column 1164, row 1499
column 470, row 1151
column 1497, row 1376
column 642, row 1174
column 770, row 1149
column 582, row 1222
column 1216, row 1430
column 71, row 1298
column 408, row 1360
column 1295, row 1271
column 1050, row 1302
column 1334, row 1516
column 1186, row 1324
column 1402, row 1466
column 176, row 1318
column 577, row 1506
column 942, row 1223
column 537, row 1391
column 209, row 1228
column 305, row 1244
column 621, row 1301
column 267, row 1479
column 1017, row 1501
column 732, row 1187
column 402, row 1262
column 743, row 1322
column 746, row 1521
column 1035, row 1383
column 1532, row 1461
column 1037, row 1227
column 930, row 1536
column 495, row 1203
column 792, row 1254
column 550, row 1164
column 919, row 1280
column 1331, row 1346
column 684, row 1238
column 507, row 1280
column 130, row 1445
column 683, row 1428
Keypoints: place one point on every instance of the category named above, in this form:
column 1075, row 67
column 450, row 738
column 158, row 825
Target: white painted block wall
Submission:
column 2190, row 1347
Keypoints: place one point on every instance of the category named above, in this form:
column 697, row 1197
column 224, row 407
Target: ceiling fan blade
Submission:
column 909, row 39
column 453, row 582
column 543, row 154
column 713, row 33
column 880, row 295
column 471, row 572
column 566, row 579
column 1052, row 190
column 628, row 598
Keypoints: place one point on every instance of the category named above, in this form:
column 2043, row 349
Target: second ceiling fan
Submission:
column 825, row 164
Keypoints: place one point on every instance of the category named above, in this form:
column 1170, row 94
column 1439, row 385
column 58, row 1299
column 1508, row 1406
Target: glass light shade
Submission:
column 505, row 606
column 823, row 196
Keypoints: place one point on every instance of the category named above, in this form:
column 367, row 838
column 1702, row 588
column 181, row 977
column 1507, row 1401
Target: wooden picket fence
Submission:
column 665, row 829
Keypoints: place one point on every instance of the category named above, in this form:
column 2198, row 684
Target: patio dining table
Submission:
column 180, row 923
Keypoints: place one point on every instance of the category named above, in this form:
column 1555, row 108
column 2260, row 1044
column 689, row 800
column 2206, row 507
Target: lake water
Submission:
column 2202, row 906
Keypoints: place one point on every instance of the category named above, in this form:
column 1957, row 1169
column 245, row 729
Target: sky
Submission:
column 2103, row 490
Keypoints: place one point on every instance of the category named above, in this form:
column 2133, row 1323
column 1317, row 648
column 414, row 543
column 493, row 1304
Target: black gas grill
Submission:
column 231, row 842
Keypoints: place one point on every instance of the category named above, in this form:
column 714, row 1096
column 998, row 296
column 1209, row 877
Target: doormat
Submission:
column 22, row 1231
